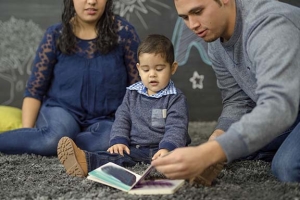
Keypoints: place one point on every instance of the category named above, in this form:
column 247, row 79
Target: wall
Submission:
column 22, row 24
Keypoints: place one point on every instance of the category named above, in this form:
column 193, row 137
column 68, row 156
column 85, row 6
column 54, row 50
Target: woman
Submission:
column 78, row 80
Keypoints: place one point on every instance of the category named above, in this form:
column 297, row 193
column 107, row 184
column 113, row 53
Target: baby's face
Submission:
column 154, row 71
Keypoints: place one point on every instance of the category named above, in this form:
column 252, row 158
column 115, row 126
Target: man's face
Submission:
column 206, row 18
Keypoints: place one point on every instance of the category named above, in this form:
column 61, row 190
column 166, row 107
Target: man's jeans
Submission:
column 284, row 153
column 138, row 154
column 52, row 124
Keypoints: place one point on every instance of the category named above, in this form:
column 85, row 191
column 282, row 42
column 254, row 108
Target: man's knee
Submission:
column 286, row 169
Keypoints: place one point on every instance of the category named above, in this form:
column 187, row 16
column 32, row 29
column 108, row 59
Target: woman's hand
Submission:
column 30, row 111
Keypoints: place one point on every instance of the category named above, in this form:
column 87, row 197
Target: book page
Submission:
column 123, row 180
column 156, row 187
column 115, row 176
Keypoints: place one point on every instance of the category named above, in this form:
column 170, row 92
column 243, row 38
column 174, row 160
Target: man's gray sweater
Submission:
column 258, row 73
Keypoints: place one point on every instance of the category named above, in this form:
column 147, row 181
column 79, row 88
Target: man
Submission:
column 254, row 47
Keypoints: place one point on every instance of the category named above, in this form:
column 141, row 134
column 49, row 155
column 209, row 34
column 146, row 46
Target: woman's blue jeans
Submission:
column 52, row 124
column 284, row 153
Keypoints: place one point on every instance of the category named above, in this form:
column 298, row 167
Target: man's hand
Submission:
column 161, row 152
column 119, row 148
column 215, row 134
column 188, row 162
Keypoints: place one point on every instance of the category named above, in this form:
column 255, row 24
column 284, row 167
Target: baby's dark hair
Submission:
column 157, row 44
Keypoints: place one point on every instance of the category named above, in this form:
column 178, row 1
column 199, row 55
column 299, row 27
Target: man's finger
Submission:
column 163, row 160
column 176, row 175
column 154, row 157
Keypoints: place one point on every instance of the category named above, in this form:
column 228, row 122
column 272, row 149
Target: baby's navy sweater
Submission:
column 147, row 121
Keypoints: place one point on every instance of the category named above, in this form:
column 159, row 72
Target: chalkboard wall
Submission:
column 22, row 24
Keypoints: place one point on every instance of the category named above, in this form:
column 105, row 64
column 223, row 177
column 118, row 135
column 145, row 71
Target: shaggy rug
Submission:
column 38, row 177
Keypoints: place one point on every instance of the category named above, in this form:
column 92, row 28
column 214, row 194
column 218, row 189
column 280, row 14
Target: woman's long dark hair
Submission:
column 107, row 37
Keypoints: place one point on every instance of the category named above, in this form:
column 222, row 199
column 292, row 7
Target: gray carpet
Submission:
column 38, row 177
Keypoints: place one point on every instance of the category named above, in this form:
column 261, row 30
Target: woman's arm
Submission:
column 30, row 110
column 40, row 78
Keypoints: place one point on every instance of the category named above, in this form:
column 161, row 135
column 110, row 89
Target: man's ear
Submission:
column 174, row 67
column 224, row 2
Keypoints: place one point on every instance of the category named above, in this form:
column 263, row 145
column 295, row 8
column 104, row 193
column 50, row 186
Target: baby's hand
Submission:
column 119, row 148
column 160, row 153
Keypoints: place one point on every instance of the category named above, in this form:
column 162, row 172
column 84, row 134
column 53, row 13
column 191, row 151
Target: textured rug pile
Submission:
column 38, row 177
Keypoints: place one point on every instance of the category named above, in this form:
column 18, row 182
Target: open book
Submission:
column 123, row 179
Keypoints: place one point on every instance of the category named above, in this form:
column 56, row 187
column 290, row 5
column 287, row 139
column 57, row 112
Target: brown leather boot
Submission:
column 72, row 157
column 208, row 175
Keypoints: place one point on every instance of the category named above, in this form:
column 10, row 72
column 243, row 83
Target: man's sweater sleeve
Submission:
column 235, row 101
column 277, row 72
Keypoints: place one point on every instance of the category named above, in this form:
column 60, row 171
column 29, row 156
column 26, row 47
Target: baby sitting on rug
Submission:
column 151, row 121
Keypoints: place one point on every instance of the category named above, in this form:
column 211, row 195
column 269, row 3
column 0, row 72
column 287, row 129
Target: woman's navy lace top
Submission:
column 88, row 84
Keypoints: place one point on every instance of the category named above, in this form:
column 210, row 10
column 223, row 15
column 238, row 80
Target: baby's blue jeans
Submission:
column 138, row 154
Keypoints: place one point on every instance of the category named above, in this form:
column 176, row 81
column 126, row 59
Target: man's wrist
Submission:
column 214, row 152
